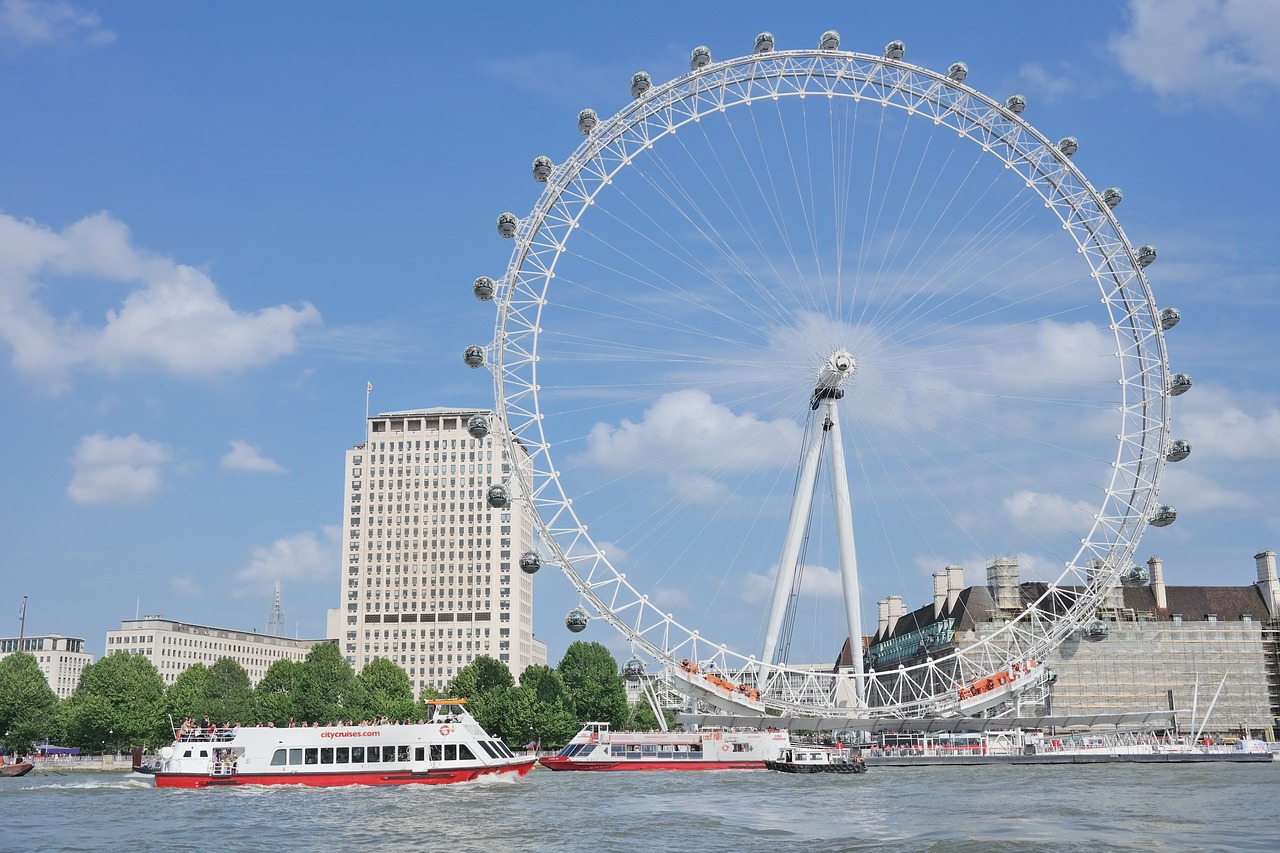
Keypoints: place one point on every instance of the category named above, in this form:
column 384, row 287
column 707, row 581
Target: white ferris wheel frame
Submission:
column 1142, row 439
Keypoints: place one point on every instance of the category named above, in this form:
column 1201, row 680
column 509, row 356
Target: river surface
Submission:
column 990, row 809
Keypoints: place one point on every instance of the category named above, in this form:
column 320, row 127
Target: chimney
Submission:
column 1155, row 568
column 1268, row 583
column 939, row 592
column 1002, row 580
column 896, row 611
column 882, row 609
column 955, row 586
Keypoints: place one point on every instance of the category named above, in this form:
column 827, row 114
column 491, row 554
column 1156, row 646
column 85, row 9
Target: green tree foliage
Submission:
column 117, row 704
column 185, row 697
column 388, row 691
column 592, row 676
column 640, row 717
column 547, row 685
column 273, row 697
column 482, row 674
column 521, row 718
column 27, row 704
column 228, row 694
column 328, row 690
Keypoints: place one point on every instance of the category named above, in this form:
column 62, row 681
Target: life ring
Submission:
column 444, row 730
column 725, row 748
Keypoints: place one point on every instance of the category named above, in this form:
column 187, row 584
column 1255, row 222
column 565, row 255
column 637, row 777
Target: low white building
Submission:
column 173, row 646
column 61, row 659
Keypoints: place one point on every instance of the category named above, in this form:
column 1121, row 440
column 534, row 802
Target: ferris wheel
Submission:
column 800, row 295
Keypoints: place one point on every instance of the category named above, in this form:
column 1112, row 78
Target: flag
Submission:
column 530, row 745
column 368, row 388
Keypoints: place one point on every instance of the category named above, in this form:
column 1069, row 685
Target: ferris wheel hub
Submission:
column 838, row 367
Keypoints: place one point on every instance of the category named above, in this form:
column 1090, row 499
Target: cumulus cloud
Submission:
column 1040, row 512
column 1220, row 425
column 308, row 557
column 108, row 470
column 816, row 582
column 31, row 22
column 689, row 432
column 244, row 457
column 1188, row 490
column 174, row 318
column 1208, row 49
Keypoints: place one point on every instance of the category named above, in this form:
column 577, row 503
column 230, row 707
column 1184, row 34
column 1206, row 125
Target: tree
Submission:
column 27, row 703
column 185, row 697
column 640, row 717
column 483, row 673
column 547, row 685
column 117, row 704
column 592, row 676
column 228, row 694
column 328, row 690
column 273, row 697
column 388, row 690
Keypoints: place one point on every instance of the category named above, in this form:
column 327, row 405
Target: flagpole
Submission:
column 368, row 389
column 22, row 623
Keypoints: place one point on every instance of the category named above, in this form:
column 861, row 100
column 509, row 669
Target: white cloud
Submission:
column 306, row 556
column 1220, row 425
column 185, row 585
column 816, row 582
column 175, row 319
column 1208, row 49
column 29, row 22
column 125, row 470
column 1186, row 490
column 687, row 431
column 245, row 457
column 1040, row 512
column 1045, row 84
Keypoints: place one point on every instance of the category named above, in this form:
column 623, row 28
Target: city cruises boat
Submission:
column 452, row 747
column 817, row 759
column 596, row 747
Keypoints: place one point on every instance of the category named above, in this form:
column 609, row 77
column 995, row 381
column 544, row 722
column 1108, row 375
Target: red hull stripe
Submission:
column 558, row 763
column 328, row 780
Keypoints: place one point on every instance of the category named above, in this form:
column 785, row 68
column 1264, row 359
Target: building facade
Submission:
column 430, row 571
column 61, row 659
column 174, row 646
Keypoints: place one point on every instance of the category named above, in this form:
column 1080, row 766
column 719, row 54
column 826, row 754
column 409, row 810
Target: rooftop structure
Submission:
column 61, row 659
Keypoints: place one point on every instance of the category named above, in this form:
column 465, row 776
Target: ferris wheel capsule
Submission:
column 1179, row 383
column 577, row 620
column 1146, row 254
column 483, row 288
column 1169, row 317
column 894, row 50
column 1163, row 516
column 640, row 83
column 764, row 43
column 541, row 169
column 633, row 668
column 830, row 41
column 958, row 72
column 700, row 58
column 498, row 497
column 1178, row 450
column 1016, row 104
column 473, row 356
column 1068, row 145
column 587, row 121
column 507, row 225
column 478, row 426
column 1112, row 196
column 530, row 562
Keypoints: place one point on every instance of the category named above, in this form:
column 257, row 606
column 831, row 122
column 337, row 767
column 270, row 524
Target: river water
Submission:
column 1115, row 807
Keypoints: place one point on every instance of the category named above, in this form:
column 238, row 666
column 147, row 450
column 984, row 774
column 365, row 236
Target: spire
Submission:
column 275, row 625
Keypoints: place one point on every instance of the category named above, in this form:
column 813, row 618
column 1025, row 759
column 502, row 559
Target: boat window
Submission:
column 388, row 754
column 506, row 750
column 618, row 749
column 450, row 752
column 402, row 753
column 437, row 752
column 485, row 746
column 278, row 757
column 326, row 755
column 204, row 753
column 312, row 755
column 295, row 756
column 419, row 753
column 371, row 755
column 465, row 753
column 186, row 754
column 342, row 755
column 357, row 755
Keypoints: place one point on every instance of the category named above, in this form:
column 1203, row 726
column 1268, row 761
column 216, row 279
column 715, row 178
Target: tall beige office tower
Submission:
column 430, row 571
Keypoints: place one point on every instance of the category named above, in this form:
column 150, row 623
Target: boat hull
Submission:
column 16, row 769
column 340, row 779
column 561, row 763
column 791, row 767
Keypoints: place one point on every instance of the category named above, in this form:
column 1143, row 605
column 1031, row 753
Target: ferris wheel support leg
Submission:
column 785, row 578
column 848, row 553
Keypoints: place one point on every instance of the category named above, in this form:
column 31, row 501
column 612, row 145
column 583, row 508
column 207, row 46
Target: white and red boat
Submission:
column 596, row 747
column 452, row 747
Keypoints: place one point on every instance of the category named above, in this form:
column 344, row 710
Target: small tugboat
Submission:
column 17, row 768
column 817, row 759
column 596, row 747
column 452, row 747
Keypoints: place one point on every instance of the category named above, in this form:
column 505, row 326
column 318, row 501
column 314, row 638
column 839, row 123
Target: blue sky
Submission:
column 218, row 222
